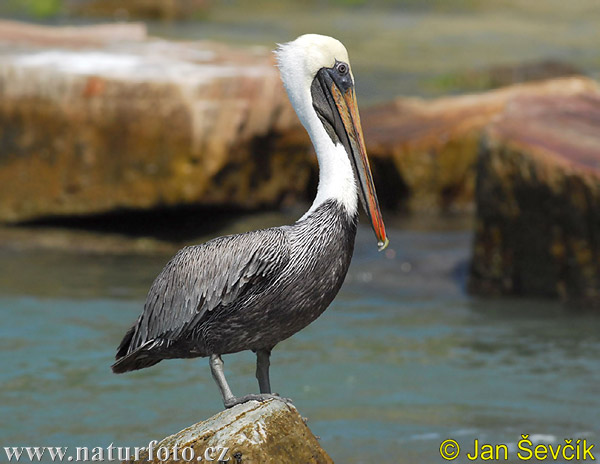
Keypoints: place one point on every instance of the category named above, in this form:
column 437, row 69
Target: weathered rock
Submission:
column 424, row 153
column 538, row 200
column 250, row 433
column 141, row 125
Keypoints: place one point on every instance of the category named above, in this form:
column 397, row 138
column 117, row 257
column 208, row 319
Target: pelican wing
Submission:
column 201, row 278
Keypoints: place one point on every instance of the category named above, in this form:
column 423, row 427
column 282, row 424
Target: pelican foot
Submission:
column 230, row 402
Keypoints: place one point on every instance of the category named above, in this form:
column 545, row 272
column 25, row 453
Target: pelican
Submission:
column 252, row 290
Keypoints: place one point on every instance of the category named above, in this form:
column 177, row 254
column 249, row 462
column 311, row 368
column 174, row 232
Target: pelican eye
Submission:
column 342, row 68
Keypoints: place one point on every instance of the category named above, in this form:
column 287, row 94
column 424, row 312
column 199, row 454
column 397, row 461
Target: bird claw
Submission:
column 229, row 403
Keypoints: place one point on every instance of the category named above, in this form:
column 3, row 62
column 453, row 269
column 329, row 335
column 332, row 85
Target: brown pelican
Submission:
column 251, row 291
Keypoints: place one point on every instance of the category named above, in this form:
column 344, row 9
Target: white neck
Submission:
column 336, row 179
column 336, row 176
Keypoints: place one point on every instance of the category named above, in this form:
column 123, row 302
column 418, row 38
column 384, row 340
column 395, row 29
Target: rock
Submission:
column 424, row 152
column 250, row 433
column 538, row 200
column 139, row 125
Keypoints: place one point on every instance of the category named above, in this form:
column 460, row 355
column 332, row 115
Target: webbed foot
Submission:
column 234, row 400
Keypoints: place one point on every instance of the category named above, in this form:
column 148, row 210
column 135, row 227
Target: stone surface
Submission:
column 253, row 433
column 538, row 197
column 424, row 152
column 141, row 125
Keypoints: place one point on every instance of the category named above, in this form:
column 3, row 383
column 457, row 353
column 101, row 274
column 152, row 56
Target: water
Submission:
column 402, row 360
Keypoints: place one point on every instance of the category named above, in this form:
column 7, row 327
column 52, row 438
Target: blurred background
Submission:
column 129, row 129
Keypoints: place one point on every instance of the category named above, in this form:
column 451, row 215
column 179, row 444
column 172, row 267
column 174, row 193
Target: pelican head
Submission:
column 316, row 74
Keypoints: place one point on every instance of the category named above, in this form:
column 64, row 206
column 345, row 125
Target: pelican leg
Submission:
column 262, row 370
column 229, row 400
column 216, row 368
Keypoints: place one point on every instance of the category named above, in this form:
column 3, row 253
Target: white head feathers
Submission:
column 309, row 53
column 300, row 60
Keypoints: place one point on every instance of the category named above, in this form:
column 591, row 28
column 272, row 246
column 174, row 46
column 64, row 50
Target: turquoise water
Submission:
column 402, row 360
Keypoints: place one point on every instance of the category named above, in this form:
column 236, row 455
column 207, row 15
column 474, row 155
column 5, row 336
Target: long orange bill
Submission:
column 348, row 110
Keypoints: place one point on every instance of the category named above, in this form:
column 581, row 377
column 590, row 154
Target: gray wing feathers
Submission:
column 198, row 279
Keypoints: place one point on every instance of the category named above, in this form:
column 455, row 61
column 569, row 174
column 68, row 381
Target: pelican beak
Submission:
column 348, row 110
column 334, row 101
